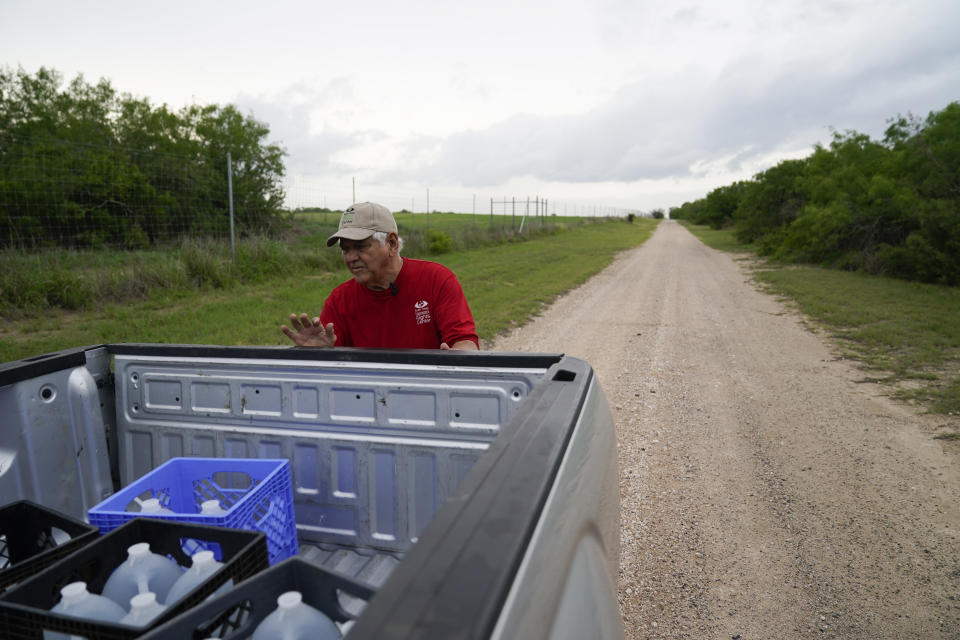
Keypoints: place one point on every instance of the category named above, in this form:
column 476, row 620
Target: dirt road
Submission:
column 765, row 492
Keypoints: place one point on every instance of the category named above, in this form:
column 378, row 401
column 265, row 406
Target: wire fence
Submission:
column 55, row 193
column 304, row 191
column 68, row 194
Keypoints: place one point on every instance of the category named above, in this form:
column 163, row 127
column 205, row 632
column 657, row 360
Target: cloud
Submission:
column 753, row 108
column 313, row 146
column 696, row 100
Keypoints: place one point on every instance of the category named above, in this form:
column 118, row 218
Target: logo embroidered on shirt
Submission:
column 421, row 311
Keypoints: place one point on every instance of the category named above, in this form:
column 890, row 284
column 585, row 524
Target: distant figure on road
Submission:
column 391, row 302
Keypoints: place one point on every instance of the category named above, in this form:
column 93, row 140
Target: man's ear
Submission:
column 393, row 241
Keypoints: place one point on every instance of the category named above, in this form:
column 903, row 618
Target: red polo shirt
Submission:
column 425, row 307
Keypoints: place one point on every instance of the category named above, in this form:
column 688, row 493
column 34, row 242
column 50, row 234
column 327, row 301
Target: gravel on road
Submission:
column 766, row 492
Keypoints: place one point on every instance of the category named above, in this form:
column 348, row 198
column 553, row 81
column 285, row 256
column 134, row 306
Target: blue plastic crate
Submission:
column 257, row 495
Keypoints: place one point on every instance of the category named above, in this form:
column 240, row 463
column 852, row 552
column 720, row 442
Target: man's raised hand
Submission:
column 309, row 332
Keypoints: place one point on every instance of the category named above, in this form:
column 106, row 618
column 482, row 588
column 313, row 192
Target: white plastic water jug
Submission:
column 204, row 565
column 153, row 506
column 294, row 619
column 142, row 571
column 76, row 601
column 143, row 608
column 212, row 508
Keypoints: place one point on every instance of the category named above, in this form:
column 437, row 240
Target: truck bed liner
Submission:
column 373, row 453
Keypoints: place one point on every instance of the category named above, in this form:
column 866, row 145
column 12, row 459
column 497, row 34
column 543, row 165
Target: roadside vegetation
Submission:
column 41, row 280
column 85, row 166
column 906, row 334
column 887, row 207
column 194, row 293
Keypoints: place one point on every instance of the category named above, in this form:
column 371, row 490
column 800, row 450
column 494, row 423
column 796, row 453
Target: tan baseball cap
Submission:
column 361, row 220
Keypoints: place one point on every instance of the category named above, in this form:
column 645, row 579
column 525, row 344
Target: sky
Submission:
column 602, row 106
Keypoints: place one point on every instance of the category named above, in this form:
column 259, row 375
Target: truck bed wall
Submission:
column 56, row 413
column 375, row 449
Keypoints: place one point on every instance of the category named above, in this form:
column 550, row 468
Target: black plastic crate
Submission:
column 236, row 614
column 33, row 537
column 25, row 609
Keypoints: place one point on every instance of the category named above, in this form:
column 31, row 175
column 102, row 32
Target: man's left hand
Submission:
column 462, row 345
column 309, row 332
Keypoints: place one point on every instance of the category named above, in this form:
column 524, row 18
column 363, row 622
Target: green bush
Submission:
column 203, row 266
column 438, row 242
column 86, row 166
column 46, row 286
column 881, row 207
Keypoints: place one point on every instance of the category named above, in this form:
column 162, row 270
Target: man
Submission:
column 391, row 302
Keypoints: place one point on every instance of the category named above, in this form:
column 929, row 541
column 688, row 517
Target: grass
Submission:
column 507, row 280
column 906, row 333
column 720, row 239
column 48, row 279
column 508, row 284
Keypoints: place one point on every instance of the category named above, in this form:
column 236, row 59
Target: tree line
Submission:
column 83, row 165
column 888, row 207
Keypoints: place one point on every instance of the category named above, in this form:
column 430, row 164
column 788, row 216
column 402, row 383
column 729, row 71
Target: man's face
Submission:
column 368, row 261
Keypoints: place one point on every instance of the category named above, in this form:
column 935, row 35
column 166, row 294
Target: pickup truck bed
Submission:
column 477, row 492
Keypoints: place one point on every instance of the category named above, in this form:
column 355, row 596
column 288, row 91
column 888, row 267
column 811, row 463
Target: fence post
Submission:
column 233, row 246
column 491, row 212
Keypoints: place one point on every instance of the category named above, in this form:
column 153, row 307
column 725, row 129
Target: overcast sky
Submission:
column 610, row 103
